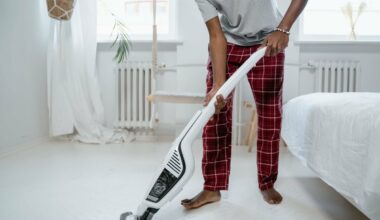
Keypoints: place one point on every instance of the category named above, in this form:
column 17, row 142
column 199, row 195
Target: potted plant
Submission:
column 61, row 9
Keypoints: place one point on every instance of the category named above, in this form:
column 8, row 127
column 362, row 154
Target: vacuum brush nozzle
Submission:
column 129, row 216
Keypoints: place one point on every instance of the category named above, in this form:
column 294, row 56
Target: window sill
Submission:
column 337, row 42
column 144, row 44
column 338, row 46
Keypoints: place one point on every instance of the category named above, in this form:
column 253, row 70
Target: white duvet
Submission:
column 338, row 136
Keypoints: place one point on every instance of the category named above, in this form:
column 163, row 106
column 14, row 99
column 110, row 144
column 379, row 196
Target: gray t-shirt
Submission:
column 244, row 22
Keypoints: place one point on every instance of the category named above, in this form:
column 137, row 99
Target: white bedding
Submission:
column 338, row 136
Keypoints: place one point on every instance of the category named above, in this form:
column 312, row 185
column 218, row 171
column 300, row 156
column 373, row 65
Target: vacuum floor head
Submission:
column 147, row 215
column 129, row 216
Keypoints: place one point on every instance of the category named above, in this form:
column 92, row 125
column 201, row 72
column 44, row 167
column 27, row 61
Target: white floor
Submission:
column 69, row 181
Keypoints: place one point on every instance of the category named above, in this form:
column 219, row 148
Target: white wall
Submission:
column 23, row 102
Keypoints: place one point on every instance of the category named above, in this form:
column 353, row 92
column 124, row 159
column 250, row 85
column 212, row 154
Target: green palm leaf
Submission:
column 121, row 40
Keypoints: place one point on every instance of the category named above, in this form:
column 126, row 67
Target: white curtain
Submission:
column 74, row 99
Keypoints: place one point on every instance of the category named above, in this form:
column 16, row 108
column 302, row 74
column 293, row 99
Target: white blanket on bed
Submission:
column 338, row 136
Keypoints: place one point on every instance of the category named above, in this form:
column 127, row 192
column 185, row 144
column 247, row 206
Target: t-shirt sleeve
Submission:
column 208, row 11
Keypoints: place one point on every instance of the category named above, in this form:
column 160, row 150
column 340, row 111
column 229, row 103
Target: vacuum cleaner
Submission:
column 178, row 165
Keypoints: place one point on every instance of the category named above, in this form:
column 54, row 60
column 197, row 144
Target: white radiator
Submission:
column 134, row 82
column 337, row 76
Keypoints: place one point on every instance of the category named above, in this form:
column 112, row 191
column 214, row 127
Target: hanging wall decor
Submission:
column 61, row 9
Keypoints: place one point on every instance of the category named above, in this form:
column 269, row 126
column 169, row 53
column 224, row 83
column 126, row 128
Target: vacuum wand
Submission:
column 178, row 165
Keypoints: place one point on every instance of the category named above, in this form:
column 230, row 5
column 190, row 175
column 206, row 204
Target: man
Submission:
column 237, row 28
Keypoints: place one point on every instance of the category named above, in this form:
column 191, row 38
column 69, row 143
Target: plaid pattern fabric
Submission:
column 266, row 81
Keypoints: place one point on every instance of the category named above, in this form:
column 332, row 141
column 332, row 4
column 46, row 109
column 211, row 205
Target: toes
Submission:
column 275, row 200
column 189, row 205
column 194, row 204
column 279, row 200
column 272, row 196
column 185, row 201
column 201, row 199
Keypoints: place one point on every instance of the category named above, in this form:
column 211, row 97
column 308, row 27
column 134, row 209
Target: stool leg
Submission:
column 283, row 143
column 253, row 131
column 248, row 135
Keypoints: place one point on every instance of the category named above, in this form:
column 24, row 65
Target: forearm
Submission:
column 291, row 15
column 217, row 50
column 218, row 54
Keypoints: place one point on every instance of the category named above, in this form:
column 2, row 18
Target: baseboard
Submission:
column 153, row 138
column 166, row 132
column 24, row 146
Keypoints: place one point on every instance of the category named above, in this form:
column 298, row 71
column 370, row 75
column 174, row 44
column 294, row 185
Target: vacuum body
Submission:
column 178, row 165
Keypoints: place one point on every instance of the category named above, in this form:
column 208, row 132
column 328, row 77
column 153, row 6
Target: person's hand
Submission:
column 220, row 101
column 275, row 42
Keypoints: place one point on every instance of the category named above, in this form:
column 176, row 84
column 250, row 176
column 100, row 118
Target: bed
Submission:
column 337, row 135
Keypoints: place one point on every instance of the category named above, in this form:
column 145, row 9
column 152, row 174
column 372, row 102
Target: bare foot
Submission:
column 203, row 198
column 271, row 196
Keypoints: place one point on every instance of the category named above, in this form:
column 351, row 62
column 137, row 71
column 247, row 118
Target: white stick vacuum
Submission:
column 178, row 165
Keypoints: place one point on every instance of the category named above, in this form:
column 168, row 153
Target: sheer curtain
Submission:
column 74, row 99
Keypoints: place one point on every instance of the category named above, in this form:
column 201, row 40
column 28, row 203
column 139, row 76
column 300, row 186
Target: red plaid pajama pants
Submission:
column 266, row 80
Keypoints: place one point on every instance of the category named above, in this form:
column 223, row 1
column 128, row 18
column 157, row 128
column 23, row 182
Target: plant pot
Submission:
column 61, row 9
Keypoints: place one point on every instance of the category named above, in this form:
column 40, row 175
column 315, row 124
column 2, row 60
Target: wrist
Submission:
column 285, row 25
column 218, row 84
column 282, row 30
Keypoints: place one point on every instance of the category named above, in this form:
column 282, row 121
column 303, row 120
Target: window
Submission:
column 325, row 19
column 137, row 15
